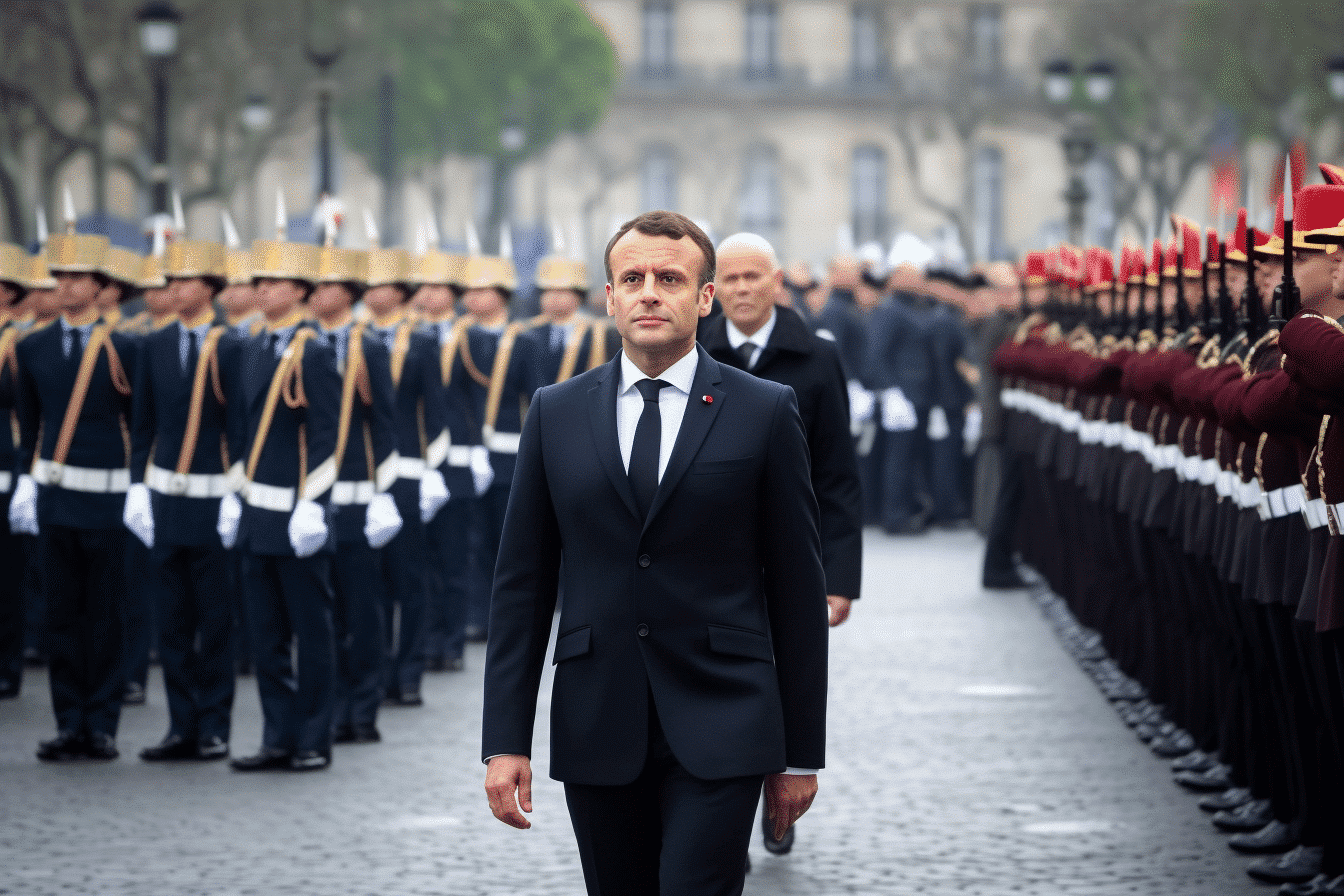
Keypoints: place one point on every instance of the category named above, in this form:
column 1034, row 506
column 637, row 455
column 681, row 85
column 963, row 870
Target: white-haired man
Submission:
column 757, row 335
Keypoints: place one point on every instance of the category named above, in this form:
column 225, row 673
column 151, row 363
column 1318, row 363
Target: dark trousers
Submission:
column 137, row 620
column 1002, row 534
column 487, row 524
column 361, row 632
column 11, row 604
column 242, row 632
column 196, row 639
column 947, row 466
column 900, row 503
column 405, row 562
column 666, row 834
column 83, row 580
column 34, row 600
column 289, row 606
column 450, row 543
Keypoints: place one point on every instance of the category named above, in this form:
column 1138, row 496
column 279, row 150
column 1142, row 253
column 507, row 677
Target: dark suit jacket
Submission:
column 715, row 604
column 810, row 364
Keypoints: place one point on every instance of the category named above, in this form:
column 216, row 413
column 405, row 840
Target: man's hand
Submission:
column 508, row 783
column 838, row 607
column 787, row 797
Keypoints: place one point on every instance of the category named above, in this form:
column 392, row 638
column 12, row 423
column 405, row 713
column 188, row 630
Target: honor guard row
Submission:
column 1177, row 478
column 320, row 431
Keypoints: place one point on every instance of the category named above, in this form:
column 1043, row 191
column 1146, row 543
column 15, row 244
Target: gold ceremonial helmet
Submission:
column 123, row 265
column 342, row 266
column 238, row 267
column 489, row 272
column 555, row 272
column 151, row 273
column 14, row 264
column 194, row 258
column 281, row 260
column 389, row 267
column 436, row 268
column 39, row 275
column 76, row 253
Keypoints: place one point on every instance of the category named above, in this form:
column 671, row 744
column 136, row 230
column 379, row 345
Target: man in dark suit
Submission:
column 674, row 495
column 774, row 343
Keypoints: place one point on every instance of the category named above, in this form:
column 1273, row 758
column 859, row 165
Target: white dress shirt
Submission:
column 671, row 405
column 759, row 339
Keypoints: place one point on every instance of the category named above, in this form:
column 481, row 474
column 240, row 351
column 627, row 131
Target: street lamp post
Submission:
column 256, row 116
column 159, row 24
column 322, row 58
column 1080, row 131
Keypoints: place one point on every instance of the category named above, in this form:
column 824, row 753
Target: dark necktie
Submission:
column 272, row 341
column 193, row 352
column 76, row 342
column 747, row 350
column 644, row 451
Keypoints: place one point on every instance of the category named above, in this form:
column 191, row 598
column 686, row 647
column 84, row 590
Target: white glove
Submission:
column 23, row 507
column 898, row 414
column 482, row 474
column 230, row 512
column 433, row 494
column 382, row 522
column 938, row 427
column 974, row 421
column 307, row 529
column 861, row 405
column 138, row 515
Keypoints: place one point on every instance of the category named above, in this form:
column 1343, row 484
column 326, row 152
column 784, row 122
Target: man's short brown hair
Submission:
column 672, row 225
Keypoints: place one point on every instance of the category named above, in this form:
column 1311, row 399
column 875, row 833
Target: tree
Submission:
column 74, row 82
column 469, row 71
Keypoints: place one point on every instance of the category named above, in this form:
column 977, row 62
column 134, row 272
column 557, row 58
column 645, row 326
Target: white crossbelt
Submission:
column 268, row 497
column 350, row 492
column 410, row 467
column 502, row 442
column 94, row 480
column 191, row 485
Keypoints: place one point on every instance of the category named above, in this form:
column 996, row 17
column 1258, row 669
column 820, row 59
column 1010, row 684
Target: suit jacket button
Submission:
column 645, row 560
column 642, row 631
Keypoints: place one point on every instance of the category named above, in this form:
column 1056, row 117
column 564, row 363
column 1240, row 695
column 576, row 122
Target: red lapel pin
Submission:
column 707, row 399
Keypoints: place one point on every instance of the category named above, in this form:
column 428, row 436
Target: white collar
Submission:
column 680, row 375
column 736, row 337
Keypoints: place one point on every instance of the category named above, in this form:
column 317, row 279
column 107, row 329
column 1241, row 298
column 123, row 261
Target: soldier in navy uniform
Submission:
column 290, row 398
column 75, row 393
column 421, row 443
column 566, row 342
column 187, row 442
column 13, row 271
column 366, row 517
column 492, row 364
column 438, row 277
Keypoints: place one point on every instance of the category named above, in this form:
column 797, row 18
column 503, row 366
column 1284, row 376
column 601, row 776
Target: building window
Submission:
column 659, row 61
column 868, row 194
column 987, row 203
column 985, row 30
column 762, row 41
column 759, row 204
column 867, row 60
column 658, row 179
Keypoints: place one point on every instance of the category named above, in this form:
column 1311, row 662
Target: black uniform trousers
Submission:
column 487, row 524
column 450, row 544
column 83, row 579
column 406, row 579
column 947, row 465
column 902, row 456
column 196, row 639
column 143, row 597
column 360, row 622
column 34, row 601
column 668, row 833
column 289, row 600
column 12, row 622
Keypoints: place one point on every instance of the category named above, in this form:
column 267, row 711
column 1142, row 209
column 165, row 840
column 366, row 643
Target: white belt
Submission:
column 502, row 442
column 1248, row 494
column 410, row 467
column 1224, row 482
column 1281, row 502
column 269, row 497
column 1315, row 514
column 81, row 479
column 6, row 480
column 350, row 492
column 1208, row 471
column 190, row 485
column 459, row 456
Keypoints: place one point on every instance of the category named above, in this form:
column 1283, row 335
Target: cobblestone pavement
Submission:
column 968, row 755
